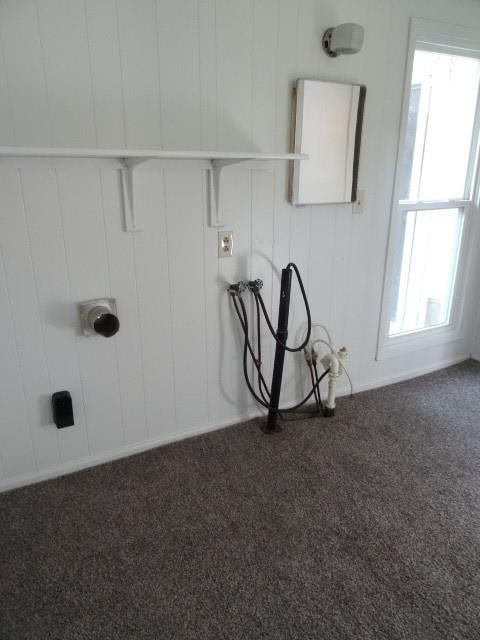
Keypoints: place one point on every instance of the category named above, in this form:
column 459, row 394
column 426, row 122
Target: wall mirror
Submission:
column 327, row 125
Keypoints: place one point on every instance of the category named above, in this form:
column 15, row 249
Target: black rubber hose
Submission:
column 244, row 326
column 312, row 378
column 307, row 309
column 318, row 390
column 247, row 348
column 259, row 354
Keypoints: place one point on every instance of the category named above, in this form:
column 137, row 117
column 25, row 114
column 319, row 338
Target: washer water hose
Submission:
column 236, row 291
column 256, row 293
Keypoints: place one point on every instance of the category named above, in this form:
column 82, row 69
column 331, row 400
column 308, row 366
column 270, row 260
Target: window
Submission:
column 426, row 269
column 434, row 185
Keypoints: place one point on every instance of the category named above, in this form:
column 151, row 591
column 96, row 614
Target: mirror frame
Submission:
column 296, row 142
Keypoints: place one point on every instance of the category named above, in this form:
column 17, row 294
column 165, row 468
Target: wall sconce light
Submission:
column 345, row 39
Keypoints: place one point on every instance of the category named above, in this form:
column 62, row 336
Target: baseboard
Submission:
column 384, row 381
column 131, row 449
column 65, row 468
column 107, row 456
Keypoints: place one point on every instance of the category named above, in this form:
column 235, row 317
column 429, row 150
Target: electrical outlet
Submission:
column 358, row 205
column 225, row 244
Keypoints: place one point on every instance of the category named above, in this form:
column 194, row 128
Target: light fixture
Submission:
column 345, row 39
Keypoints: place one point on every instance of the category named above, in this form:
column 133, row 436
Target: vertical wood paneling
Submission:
column 106, row 76
column 156, row 331
column 140, row 73
column 183, row 201
column 178, row 40
column 237, row 203
column 208, row 72
column 234, row 33
column 17, row 452
column 286, row 73
column 311, row 19
column 234, row 41
column 341, row 272
column 264, row 82
column 6, row 116
column 57, row 313
column 322, row 249
column 22, row 294
column 123, row 284
column 67, row 67
column 26, row 77
column 214, row 299
column 83, row 223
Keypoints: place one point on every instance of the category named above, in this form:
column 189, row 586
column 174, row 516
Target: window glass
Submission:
column 443, row 99
column 426, row 266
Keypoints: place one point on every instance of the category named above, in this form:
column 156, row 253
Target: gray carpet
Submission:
column 365, row 525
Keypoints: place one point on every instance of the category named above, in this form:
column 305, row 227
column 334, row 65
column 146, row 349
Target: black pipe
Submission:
column 272, row 425
column 247, row 347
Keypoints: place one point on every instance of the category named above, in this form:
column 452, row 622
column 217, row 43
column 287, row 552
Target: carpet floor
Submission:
column 365, row 525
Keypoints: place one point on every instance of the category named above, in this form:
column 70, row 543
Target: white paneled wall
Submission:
column 178, row 74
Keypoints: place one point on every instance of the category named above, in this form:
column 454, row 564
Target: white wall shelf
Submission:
column 129, row 159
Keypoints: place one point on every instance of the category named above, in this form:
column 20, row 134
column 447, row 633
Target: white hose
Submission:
column 331, row 361
column 339, row 367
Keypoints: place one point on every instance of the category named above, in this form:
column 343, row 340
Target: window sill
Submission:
column 422, row 339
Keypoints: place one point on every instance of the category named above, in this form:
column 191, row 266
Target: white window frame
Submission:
column 431, row 35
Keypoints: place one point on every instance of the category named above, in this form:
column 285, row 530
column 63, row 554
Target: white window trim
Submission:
column 432, row 36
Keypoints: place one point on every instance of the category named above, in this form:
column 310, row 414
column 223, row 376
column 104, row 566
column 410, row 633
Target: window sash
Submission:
column 426, row 205
column 431, row 206
column 439, row 37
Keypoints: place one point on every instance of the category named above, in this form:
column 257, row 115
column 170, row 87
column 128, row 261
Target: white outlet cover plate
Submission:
column 225, row 244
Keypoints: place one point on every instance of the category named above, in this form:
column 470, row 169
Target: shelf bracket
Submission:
column 127, row 165
column 213, row 188
column 214, row 170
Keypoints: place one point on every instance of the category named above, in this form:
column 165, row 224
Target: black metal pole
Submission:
column 282, row 334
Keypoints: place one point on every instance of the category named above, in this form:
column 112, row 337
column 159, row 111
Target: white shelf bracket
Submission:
column 126, row 171
column 128, row 160
column 213, row 188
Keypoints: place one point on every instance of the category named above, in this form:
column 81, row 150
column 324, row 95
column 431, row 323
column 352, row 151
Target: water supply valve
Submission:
column 255, row 285
column 238, row 287
column 99, row 317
